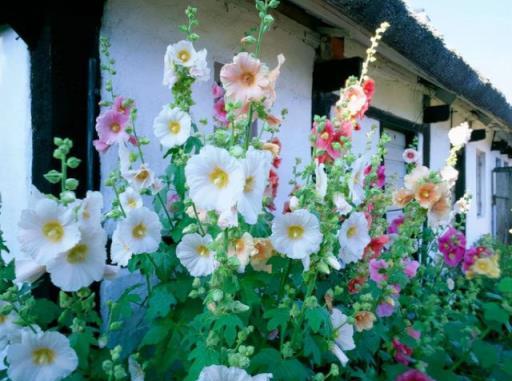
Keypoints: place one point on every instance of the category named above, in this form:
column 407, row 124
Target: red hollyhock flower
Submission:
column 355, row 284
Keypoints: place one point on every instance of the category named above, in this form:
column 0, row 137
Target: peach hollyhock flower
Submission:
column 487, row 266
column 364, row 320
column 427, row 194
column 263, row 251
column 353, row 100
column 246, row 79
column 270, row 92
column 439, row 213
column 411, row 180
column 402, row 197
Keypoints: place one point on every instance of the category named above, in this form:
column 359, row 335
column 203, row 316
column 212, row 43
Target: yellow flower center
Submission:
column 115, row 127
column 240, row 245
column 132, row 203
column 3, row 318
column 324, row 136
column 139, row 231
column 249, row 184
column 202, row 250
column 295, row 231
column 183, row 55
column 174, row 127
column 248, row 78
column 53, row 230
column 219, row 178
column 43, row 356
column 351, row 231
column 425, row 194
column 77, row 254
column 142, row 175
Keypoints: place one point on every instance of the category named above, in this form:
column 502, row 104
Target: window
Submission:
column 480, row 183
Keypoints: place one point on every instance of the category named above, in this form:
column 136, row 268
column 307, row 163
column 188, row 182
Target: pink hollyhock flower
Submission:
column 410, row 267
column 453, row 246
column 369, row 89
column 381, row 175
column 355, row 284
column 172, row 199
column 325, row 137
column 100, row 146
column 395, row 224
column 413, row 375
column 217, row 91
column 355, row 100
column 376, row 246
column 111, row 127
column 377, row 269
column 219, row 111
column 402, row 352
column 386, row 309
column 410, row 156
column 245, row 79
column 120, row 107
column 415, row 334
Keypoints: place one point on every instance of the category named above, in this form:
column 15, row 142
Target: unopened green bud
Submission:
column 71, row 184
column 73, row 162
column 107, row 366
column 323, row 268
column 196, row 282
column 335, row 370
column 217, row 295
column 53, row 176
column 116, row 325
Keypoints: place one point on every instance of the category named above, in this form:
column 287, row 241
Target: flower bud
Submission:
column 73, row 162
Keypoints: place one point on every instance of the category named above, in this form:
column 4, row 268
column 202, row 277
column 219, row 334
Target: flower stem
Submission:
column 201, row 228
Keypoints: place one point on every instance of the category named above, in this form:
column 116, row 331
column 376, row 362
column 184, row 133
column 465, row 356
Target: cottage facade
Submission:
column 410, row 83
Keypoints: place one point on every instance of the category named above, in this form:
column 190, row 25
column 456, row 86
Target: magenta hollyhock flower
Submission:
column 395, row 224
column 217, row 91
column 377, row 269
column 452, row 244
column 385, row 309
column 381, row 176
column 120, row 107
column 410, row 267
column 219, row 111
column 415, row 334
column 413, row 375
column 111, row 127
column 402, row 352
column 470, row 257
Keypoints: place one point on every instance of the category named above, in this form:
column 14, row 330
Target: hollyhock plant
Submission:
column 402, row 352
column 377, row 270
column 410, row 156
column 413, row 375
column 111, row 128
column 410, row 267
column 395, row 224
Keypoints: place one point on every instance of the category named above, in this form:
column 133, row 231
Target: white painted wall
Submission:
column 140, row 32
column 16, row 132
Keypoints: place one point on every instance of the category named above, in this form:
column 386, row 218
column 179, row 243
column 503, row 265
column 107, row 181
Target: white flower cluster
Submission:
column 185, row 55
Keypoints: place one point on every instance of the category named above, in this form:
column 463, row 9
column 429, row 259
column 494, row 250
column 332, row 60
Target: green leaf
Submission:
column 227, row 325
column 494, row 313
column 505, row 285
column 486, row 353
column 278, row 317
column 46, row 311
column 312, row 348
column 318, row 319
column 269, row 360
column 81, row 343
column 160, row 301
column 156, row 333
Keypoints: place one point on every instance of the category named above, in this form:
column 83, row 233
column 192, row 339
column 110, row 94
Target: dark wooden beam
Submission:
column 434, row 114
column 331, row 75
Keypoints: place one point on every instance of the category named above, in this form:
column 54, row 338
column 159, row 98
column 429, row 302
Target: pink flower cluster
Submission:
column 381, row 175
column 111, row 126
column 327, row 138
column 452, row 244
column 402, row 352
column 413, row 375
column 395, row 225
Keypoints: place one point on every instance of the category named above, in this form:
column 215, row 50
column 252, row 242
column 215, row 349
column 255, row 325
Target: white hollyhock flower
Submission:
column 228, row 218
column 297, row 235
column 353, row 237
column 81, row 265
column 410, row 156
column 120, row 253
column 459, row 135
column 243, row 248
column 342, row 206
column 42, row 356
column 124, row 158
column 141, row 178
column 200, row 70
column 8, row 327
column 449, row 175
column 356, row 183
column 417, row 174
column 194, row 254
column 215, row 179
column 140, row 231
column 89, row 212
column 47, row 230
column 182, row 53
column 293, row 204
column 27, row 271
column 130, row 199
column 256, row 167
column 223, row 373
column 135, row 370
column 320, row 179
column 344, row 336
column 172, row 127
